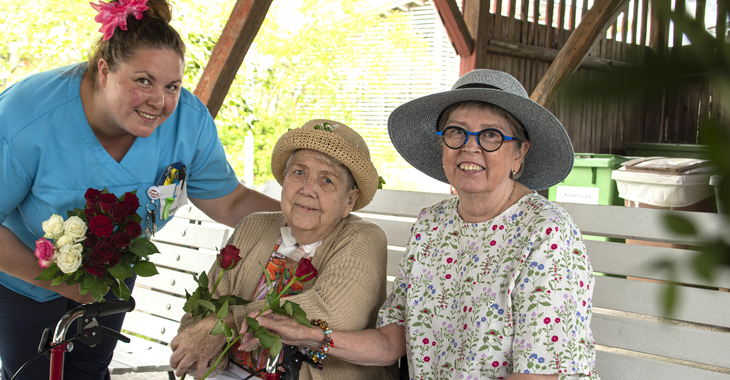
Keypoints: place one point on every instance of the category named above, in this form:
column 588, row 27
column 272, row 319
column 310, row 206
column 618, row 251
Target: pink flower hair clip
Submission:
column 115, row 14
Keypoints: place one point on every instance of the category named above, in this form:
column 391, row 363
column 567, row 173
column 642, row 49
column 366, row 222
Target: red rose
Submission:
column 101, row 225
column 120, row 239
column 92, row 197
column 91, row 240
column 132, row 202
column 305, row 270
column 95, row 269
column 116, row 258
column 91, row 211
column 107, row 202
column 102, row 253
column 133, row 229
column 119, row 213
column 228, row 257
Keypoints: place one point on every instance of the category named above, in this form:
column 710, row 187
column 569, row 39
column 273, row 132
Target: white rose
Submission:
column 64, row 240
column 69, row 258
column 75, row 227
column 53, row 227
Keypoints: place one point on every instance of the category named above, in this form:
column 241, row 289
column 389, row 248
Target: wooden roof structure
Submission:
column 542, row 53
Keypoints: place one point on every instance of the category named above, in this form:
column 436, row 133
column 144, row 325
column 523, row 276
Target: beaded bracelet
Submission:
column 317, row 357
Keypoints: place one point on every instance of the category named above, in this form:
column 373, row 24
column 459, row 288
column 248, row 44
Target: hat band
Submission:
column 479, row 85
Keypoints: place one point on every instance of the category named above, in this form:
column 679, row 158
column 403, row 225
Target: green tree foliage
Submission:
column 311, row 58
column 319, row 68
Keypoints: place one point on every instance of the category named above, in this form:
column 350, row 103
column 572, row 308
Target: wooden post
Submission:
column 476, row 17
column 593, row 24
column 455, row 26
column 659, row 28
column 229, row 51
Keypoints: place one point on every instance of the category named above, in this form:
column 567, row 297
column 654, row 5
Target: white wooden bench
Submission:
column 635, row 339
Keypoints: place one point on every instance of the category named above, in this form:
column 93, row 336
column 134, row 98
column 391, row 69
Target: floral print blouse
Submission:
column 485, row 300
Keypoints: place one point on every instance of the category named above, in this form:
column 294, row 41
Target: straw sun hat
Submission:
column 336, row 140
column 412, row 128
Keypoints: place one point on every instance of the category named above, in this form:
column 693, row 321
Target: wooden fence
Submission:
column 522, row 43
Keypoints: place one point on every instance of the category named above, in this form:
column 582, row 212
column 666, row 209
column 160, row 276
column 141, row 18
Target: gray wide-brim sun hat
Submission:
column 412, row 128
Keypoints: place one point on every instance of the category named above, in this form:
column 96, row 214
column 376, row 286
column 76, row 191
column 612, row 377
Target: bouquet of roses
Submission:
column 201, row 303
column 96, row 247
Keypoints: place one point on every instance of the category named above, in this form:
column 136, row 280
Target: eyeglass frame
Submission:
column 467, row 134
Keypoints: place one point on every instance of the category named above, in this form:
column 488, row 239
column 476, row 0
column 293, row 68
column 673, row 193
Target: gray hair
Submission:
column 331, row 161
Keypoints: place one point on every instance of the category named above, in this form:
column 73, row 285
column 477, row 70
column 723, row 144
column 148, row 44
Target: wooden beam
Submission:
column 593, row 24
column 455, row 26
column 547, row 55
column 229, row 51
column 479, row 23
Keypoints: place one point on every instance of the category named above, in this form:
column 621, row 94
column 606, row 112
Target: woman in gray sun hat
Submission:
column 495, row 283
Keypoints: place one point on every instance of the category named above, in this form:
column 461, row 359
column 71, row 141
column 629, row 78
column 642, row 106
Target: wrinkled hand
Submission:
column 194, row 347
column 249, row 342
column 290, row 331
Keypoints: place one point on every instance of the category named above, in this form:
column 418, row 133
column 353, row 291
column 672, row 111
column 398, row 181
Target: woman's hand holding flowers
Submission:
column 201, row 304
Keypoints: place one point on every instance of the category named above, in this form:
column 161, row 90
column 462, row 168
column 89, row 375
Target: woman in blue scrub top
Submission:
column 120, row 121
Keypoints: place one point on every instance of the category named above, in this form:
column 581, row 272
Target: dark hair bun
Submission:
column 160, row 9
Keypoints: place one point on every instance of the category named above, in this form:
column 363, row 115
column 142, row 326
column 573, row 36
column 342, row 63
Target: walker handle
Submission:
column 109, row 307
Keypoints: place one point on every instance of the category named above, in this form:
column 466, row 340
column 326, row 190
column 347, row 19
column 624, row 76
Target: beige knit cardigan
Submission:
column 347, row 293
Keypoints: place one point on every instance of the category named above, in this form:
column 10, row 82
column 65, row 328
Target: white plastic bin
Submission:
column 665, row 182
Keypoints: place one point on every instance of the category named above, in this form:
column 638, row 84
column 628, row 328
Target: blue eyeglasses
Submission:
column 489, row 139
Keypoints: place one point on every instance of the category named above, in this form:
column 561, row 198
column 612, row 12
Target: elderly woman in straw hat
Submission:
column 325, row 170
column 495, row 283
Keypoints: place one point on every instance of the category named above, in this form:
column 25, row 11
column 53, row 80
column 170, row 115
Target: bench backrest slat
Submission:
column 641, row 261
column 672, row 341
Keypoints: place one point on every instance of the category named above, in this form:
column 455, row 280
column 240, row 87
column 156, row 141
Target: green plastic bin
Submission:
column 590, row 181
column 643, row 149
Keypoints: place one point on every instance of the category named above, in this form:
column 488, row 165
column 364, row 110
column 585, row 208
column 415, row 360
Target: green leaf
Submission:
column 206, row 304
column 124, row 292
column 98, row 291
column 275, row 347
column 56, row 280
column 48, row 273
column 266, row 338
column 219, row 328
column 145, row 269
column 203, row 280
column 142, row 247
column 223, row 311
column 234, row 300
column 266, row 276
column 252, row 324
column 670, row 298
column 118, row 272
column 273, row 300
column 288, row 307
column 679, row 224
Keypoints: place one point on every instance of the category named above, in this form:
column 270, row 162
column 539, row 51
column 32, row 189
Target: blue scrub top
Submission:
column 49, row 157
